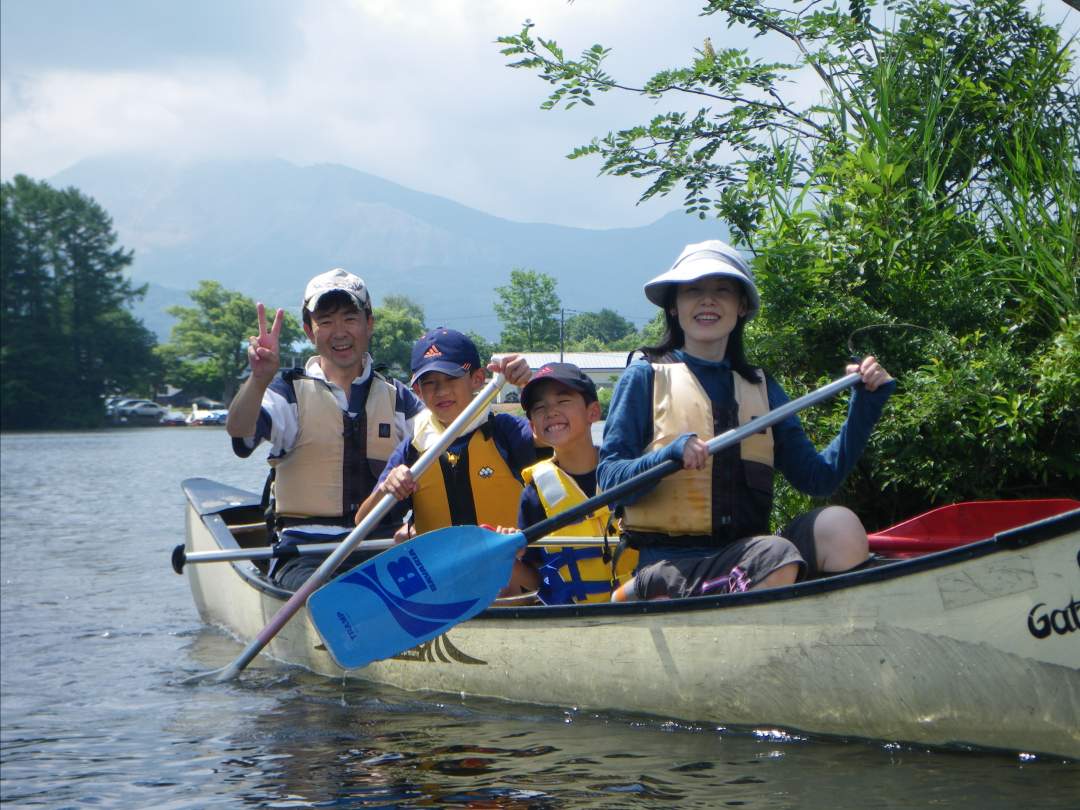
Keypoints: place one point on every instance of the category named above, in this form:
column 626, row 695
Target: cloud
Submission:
column 420, row 98
column 417, row 93
column 137, row 34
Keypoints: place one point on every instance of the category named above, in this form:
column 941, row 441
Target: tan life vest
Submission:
column 309, row 479
column 681, row 504
column 478, row 483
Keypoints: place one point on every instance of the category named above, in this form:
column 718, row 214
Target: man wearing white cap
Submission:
column 331, row 425
column 705, row 529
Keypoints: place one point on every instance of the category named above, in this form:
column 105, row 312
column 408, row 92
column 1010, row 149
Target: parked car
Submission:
column 173, row 418
column 216, row 417
column 141, row 409
column 114, row 404
column 206, row 404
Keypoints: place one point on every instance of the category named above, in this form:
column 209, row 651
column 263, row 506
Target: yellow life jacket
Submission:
column 574, row 574
column 310, row 480
column 683, row 503
column 476, row 487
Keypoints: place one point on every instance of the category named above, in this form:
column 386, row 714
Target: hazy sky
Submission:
column 412, row 91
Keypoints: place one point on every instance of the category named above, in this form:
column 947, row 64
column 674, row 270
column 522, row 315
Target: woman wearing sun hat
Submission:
column 705, row 529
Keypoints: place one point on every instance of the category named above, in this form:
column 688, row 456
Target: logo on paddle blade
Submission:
column 406, row 577
column 418, row 619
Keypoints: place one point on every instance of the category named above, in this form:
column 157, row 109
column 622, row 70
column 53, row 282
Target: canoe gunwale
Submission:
column 1020, row 537
column 219, row 529
column 215, row 502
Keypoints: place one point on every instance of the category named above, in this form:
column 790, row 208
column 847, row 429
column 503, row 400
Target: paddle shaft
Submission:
column 715, row 444
column 182, row 558
column 349, row 544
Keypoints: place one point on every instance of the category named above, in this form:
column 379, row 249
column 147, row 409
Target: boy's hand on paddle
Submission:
column 263, row 350
column 873, row 375
column 513, row 366
column 695, row 454
column 404, row 533
column 399, row 483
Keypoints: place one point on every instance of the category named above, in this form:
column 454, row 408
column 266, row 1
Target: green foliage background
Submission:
column 933, row 188
column 68, row 339
column 207, row 353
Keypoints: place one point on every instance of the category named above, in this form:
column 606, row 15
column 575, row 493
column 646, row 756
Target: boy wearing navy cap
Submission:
column 478, row 479
column 561, row 403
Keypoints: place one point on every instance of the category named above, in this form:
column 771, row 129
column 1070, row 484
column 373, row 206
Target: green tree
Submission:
column 527, row 308
column 605, row 328
column 934, row 182
column 484, row 347
column 398, row 323
column 402, row 303
column 67, row 338
column 207, row 352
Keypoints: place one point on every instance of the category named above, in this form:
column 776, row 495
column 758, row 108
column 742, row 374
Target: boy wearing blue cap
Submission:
column 478, row 479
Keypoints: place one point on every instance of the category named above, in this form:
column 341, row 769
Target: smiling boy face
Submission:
column 447, row 396
column 559, row 414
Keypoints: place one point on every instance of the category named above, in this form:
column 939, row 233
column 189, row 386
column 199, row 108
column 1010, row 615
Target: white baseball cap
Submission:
column 709, row 258
column 333, row 281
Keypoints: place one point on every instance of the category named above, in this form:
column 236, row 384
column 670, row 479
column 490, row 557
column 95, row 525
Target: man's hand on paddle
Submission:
column 263, row 349
column 873, row 375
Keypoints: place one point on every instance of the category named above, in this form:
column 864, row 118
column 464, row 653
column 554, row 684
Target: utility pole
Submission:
column 562, row 332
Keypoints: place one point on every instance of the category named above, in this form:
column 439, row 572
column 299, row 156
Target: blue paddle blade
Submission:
column 412, row 593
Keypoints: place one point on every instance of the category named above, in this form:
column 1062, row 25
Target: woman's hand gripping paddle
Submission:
column 323, row 572
column 420, row 589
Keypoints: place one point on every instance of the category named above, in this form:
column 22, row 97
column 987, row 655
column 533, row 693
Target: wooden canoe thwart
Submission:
column 975, row 645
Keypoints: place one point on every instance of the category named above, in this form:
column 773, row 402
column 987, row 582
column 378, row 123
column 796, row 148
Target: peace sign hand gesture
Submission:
column 262, row 352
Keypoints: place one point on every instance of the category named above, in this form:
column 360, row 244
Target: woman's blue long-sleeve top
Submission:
column 629, row 430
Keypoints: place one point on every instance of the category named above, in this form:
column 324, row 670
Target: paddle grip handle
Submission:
column 664, row 468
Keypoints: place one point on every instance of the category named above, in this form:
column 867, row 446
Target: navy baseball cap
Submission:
column 565, row 373
column 445, row 350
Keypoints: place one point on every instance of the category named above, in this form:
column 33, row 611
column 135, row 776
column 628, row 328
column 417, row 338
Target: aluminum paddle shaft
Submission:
column 331, row 563
column 715, row 444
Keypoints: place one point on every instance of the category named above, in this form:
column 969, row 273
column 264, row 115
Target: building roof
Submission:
column 586, row 361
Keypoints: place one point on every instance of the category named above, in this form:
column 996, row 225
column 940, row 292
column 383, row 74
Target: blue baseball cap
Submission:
column 445, row 350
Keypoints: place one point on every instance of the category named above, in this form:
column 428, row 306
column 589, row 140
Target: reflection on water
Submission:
column 98, row 634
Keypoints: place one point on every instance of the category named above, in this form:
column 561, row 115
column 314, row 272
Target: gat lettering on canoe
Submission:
column 1042, row 622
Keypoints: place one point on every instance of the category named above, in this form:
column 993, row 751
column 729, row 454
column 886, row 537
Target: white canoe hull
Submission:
column 977, row 646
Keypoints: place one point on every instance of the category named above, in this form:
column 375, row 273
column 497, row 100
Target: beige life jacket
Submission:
column 310, row 478
column 682, row 503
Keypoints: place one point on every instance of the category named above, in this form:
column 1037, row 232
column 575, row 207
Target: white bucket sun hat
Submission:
column 709, row 258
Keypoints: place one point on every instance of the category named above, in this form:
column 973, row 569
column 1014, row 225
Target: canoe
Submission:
column 974, row 646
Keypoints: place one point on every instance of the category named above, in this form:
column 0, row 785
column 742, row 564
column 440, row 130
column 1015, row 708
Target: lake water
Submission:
column 98, row 633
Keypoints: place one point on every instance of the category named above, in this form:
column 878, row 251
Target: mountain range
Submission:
column 264, row 227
